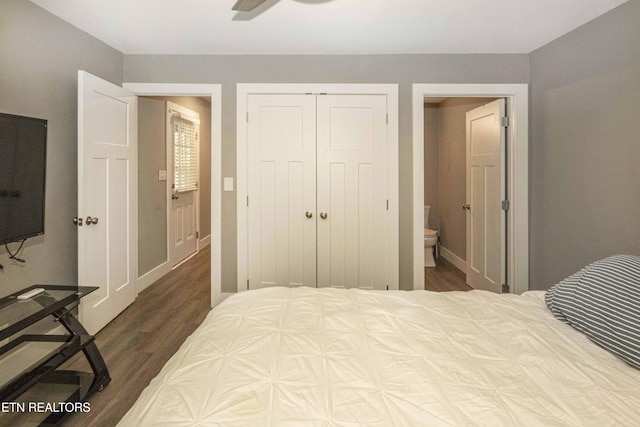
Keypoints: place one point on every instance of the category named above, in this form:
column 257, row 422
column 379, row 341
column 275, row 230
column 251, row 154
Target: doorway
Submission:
column 214, row 93
column 446, row 140
column 517, row 265
column 174, row 175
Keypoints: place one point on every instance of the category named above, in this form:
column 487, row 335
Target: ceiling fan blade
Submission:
column 247, row 5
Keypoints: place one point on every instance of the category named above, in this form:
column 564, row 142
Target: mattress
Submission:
column 336, row 357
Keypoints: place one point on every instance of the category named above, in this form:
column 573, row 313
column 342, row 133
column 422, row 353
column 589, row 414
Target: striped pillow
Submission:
column 603, row 301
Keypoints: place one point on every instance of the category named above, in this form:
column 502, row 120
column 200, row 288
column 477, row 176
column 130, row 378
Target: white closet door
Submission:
column 352, row 191
column 281, row 189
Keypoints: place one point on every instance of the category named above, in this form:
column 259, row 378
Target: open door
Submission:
column 107, row 199
column 486, row 220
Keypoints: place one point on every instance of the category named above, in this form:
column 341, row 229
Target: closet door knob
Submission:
column 323, row 215
column 466, row 206
column 308, row 214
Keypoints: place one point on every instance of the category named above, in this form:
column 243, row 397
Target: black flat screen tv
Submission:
column 23, row 159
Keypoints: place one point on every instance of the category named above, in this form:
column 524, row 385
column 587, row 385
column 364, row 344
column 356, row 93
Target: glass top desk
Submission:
column 50, row 351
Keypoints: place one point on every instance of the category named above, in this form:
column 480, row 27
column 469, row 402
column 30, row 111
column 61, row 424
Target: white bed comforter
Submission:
column 329, row 357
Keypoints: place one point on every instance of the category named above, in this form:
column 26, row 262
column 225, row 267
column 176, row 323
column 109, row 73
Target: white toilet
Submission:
column 430, row 240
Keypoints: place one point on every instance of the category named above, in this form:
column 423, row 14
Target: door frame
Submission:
column 245, row 89
column 215, row 92
column 170, row 174
column 517, row 96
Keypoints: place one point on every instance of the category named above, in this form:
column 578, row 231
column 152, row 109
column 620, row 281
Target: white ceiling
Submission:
column 328, row 26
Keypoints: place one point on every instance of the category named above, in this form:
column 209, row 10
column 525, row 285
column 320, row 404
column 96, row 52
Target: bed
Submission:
column 337, row 357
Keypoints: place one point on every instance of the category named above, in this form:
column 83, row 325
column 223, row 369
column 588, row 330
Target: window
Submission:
column 185, row 155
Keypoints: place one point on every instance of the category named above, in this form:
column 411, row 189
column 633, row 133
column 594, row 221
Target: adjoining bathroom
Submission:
column 445, row 191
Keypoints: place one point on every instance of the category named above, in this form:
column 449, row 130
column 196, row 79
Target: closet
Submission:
column 318, row 191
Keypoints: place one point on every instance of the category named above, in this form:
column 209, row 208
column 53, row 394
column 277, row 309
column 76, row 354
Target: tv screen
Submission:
column 23, row 149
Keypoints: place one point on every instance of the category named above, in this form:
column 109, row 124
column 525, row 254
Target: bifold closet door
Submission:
column 352, row 191
column 282, row 190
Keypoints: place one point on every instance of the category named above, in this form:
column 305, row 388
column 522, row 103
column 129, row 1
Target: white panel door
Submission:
column 486, row 242
column 352, row 191
column 182, row 153
column 107, row 199
column 281, row 190
column 183, row 227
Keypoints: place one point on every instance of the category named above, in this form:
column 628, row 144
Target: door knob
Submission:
column 308, row 214
column 174, row 196
column 466, row 206
column 77, row 221
column 323, row 215
column 91, row 220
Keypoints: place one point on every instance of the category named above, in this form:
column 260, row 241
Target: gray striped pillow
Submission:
column 603, row 301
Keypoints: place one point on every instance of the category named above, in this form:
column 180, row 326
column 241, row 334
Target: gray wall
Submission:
column 432, row 162
column 402, row 69
column 152, row 193
column 40, row 56
column 585, row 146
column 152, row 196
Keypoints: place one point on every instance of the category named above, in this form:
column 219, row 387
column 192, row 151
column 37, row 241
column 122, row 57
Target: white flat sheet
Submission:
column 330, row 357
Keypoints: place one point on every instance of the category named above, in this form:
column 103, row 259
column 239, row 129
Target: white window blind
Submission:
column 185, row 155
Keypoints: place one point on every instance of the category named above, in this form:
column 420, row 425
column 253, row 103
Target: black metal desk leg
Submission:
column 91, row 352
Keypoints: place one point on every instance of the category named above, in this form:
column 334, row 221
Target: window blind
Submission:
column 185, row 155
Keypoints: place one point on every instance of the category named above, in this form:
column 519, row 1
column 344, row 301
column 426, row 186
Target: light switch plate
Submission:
column 228, row 183
column 162, row 175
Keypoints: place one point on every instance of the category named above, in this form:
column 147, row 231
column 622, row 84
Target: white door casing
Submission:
column 107, row 191
column 183, row 205
column 281, row 190
column 517, row 171
column 486, row 221
column 352, row 191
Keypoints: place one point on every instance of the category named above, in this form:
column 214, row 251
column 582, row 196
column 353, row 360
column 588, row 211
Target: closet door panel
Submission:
column 281, row 189
column 352, row 191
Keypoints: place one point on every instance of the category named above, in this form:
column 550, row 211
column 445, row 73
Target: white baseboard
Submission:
column 205, row 241
column 453, row 259
column 150, row 277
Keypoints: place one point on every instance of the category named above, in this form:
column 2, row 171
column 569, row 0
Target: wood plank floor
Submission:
column 138, row 343
column 444, row 277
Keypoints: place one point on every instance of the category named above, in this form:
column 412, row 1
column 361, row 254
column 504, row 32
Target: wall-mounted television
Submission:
column 23, row 159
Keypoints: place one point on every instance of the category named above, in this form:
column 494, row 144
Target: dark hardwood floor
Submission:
column 137, row 343
column 444, row 277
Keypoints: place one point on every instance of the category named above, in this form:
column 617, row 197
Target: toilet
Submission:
column 430, row 240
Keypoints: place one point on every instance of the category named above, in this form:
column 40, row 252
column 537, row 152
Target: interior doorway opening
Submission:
column 445, row 173
column 174, row 180
column 214, row 93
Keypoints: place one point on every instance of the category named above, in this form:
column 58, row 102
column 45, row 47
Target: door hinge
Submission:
column 247, row 284
column 505, row 288
column 387, row 287
column 387, row 118
column 247, row 200
column 197, row 234
column 506, row 205
column 505, row 122
column 247, row 117
column 387, row 204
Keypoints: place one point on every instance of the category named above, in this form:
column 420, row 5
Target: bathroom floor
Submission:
column 444, row 277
